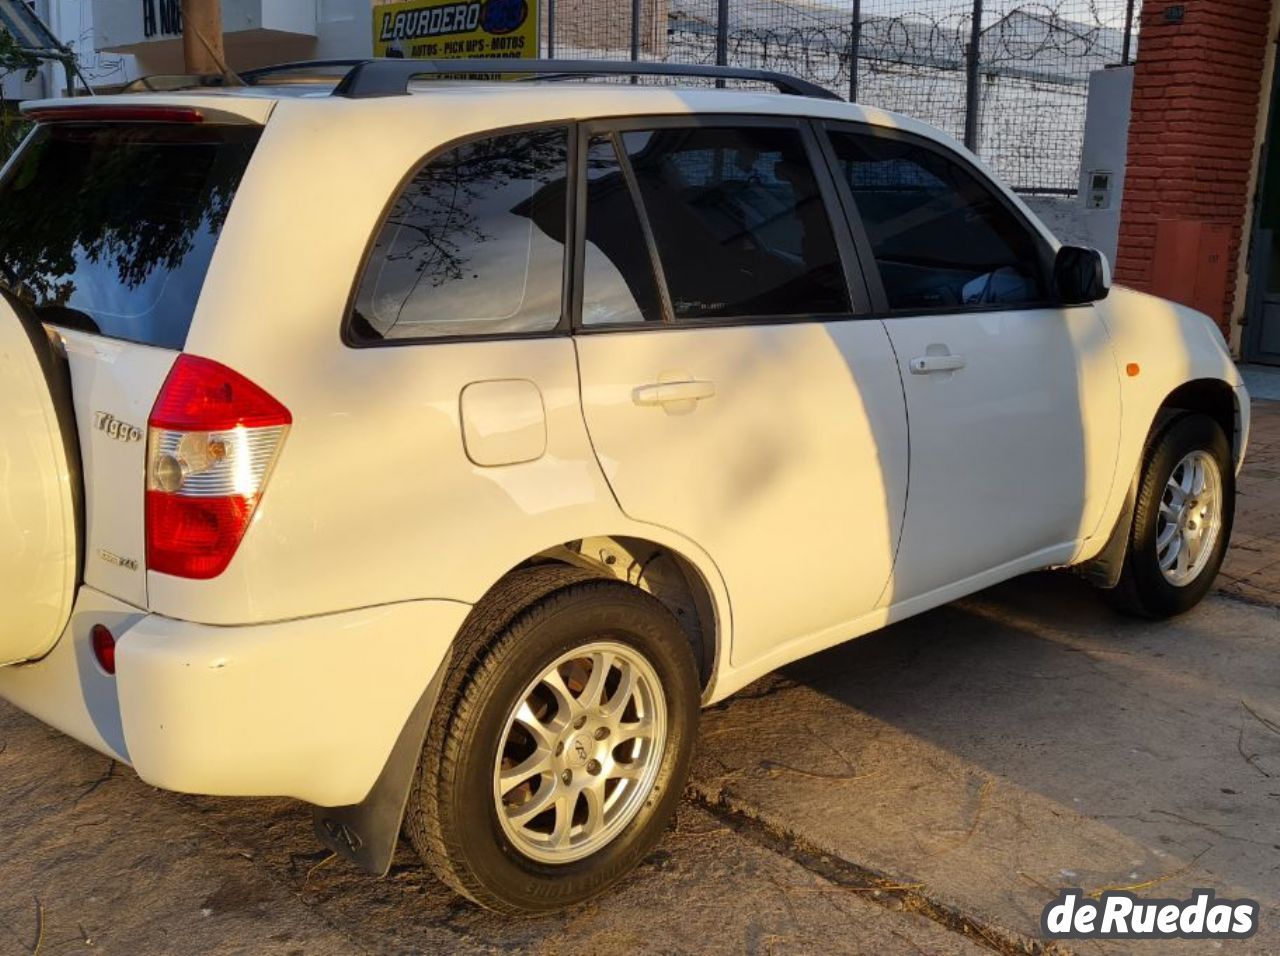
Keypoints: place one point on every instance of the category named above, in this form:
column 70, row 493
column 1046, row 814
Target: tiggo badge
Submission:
column 114, row 428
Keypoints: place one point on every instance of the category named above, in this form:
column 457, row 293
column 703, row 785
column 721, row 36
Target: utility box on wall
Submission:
column 1192, row 264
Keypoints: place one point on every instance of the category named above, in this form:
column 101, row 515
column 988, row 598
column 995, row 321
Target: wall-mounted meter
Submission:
column 1099, row 194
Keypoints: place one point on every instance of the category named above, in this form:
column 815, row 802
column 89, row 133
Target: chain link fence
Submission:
column 1014, row 90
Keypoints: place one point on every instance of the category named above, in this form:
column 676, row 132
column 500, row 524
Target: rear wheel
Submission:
column 561, row 748
column 1182, row 520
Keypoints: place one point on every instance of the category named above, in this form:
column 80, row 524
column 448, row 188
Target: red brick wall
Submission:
column 1196, row 95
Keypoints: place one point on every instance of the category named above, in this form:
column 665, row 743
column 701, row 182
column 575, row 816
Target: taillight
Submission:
column 211, row 441
column 104, row 647
column 77, row 113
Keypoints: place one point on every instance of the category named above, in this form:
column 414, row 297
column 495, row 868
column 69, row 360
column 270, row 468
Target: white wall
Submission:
column 72, row 22
column 1074, row 220
column 344, row 28
column 255, row 32
column 1106, row 149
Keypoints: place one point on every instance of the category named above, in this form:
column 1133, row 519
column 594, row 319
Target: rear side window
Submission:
column 941, row 237
column 474, row 245
column 740, row 225
column 110, row 229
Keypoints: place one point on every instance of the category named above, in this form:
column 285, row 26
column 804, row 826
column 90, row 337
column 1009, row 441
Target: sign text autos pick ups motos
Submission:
column 441, row 29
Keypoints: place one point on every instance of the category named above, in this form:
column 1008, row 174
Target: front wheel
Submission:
column 563, row 749
column 1182, row 520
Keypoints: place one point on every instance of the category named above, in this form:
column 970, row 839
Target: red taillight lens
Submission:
column 201, row 395
column 104, row 647
column 194, row 537
column 114, row 114
column 212, row 439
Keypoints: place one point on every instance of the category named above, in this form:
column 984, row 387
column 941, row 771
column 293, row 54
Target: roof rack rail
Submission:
column 388, row 76
column 301, row 71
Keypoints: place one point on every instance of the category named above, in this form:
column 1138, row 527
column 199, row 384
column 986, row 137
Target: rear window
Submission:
column 110, row 229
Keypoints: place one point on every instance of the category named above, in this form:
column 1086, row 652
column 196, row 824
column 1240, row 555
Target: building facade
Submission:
column 1200, row 221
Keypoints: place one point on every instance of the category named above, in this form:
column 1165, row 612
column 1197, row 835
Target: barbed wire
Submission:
column 1034, row 59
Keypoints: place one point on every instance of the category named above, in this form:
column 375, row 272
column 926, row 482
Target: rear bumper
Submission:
column 307, row 709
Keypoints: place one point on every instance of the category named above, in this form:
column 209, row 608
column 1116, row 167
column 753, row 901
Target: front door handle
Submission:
column 926, row 364
column 673, row 394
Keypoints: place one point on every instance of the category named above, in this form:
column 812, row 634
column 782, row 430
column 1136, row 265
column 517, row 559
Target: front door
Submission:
column 728, row 389
column 1011, row 398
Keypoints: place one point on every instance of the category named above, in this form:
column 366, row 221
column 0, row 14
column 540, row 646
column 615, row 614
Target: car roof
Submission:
column 579, row 100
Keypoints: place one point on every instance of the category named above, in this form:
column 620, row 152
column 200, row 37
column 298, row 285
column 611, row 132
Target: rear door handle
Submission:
column 926, row 364
column 664, row 393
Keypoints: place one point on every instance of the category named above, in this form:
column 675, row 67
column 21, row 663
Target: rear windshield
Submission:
column 110, row 229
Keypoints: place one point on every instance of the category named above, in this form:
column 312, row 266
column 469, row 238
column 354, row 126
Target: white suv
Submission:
column 432, row 458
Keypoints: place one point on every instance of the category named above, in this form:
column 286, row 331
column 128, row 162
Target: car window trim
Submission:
column 859, row 299
column 871, row 270
column 569, row 274
column 659, row 272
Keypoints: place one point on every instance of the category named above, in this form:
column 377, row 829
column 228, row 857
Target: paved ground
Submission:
column 922, row 790
column 1263, row 381
column 1252, row 568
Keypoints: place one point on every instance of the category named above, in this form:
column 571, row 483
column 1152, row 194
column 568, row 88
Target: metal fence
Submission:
column 1008, row 77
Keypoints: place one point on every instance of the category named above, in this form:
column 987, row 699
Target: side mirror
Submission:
column 1081, row 275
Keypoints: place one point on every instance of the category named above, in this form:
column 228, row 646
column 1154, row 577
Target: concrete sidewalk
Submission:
column 1252, row 568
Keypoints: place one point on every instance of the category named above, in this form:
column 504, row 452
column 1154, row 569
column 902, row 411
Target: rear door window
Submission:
column 618, row 282
column 740, row 224
column 474, row 245
column 110, row 229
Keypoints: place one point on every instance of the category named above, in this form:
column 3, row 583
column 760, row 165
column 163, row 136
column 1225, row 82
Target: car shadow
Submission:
column 1024, row 739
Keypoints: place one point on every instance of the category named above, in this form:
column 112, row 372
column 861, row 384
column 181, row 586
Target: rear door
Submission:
column 731, row 389
column 107, row 229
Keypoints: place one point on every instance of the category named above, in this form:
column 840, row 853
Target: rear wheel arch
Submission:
column 367, row 833
column 669, row 575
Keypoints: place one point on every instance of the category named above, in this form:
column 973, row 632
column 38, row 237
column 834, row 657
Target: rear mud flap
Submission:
column 366, row 833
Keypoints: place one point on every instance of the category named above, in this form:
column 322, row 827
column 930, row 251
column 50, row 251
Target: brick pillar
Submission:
column 1197, row 91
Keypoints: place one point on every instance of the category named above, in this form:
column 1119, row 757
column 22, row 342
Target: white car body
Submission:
column 821, row 492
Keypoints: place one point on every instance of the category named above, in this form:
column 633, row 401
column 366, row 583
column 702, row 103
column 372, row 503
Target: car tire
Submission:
column 1177, row 544
column 612, row 790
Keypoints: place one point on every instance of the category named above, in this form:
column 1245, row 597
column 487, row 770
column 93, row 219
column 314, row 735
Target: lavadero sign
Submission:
column 445, row 29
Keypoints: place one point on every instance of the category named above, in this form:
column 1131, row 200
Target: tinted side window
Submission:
column 618, row 283
column 474, row 244
column 940, row 236
column 740, row 225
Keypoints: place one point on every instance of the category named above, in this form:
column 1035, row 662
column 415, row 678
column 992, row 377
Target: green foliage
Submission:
column 13, row 59
column 12, row 130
